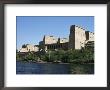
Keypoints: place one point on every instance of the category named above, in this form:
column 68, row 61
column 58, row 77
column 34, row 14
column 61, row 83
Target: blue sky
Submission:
column 31, row 29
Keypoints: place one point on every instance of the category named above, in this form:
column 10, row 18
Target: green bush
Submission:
column 69, row 56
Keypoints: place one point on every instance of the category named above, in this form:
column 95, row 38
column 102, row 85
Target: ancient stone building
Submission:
column 56, row 46
column 63, row 40
column 29, row 48
column 23, row 50
column 89, row 36
column 90, row 44
column 50, row 40
column 78, row 38
column 53, row 43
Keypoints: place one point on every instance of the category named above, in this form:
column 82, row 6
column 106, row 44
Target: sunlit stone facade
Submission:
column 29, row 48
column 78, row 38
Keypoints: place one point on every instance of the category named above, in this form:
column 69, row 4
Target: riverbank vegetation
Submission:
column 59, row 56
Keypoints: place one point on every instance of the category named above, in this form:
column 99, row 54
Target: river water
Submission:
column 53, row 68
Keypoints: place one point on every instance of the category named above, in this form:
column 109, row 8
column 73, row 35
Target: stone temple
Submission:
column 78, row 38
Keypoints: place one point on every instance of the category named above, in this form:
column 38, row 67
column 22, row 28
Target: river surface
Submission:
column 53, row 68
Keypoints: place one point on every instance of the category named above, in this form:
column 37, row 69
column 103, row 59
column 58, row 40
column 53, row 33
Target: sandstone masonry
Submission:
column 78, row 38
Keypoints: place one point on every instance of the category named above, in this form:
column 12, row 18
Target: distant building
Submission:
column 29, row 48
column 63, row 40
column 23, row 50
column 90, row 44
column 89, row 36
column 78, row 38
column 53, row 43
column 50, row 40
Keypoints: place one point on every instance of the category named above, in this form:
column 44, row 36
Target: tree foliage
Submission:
column 23, row 46
column 69, row 56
